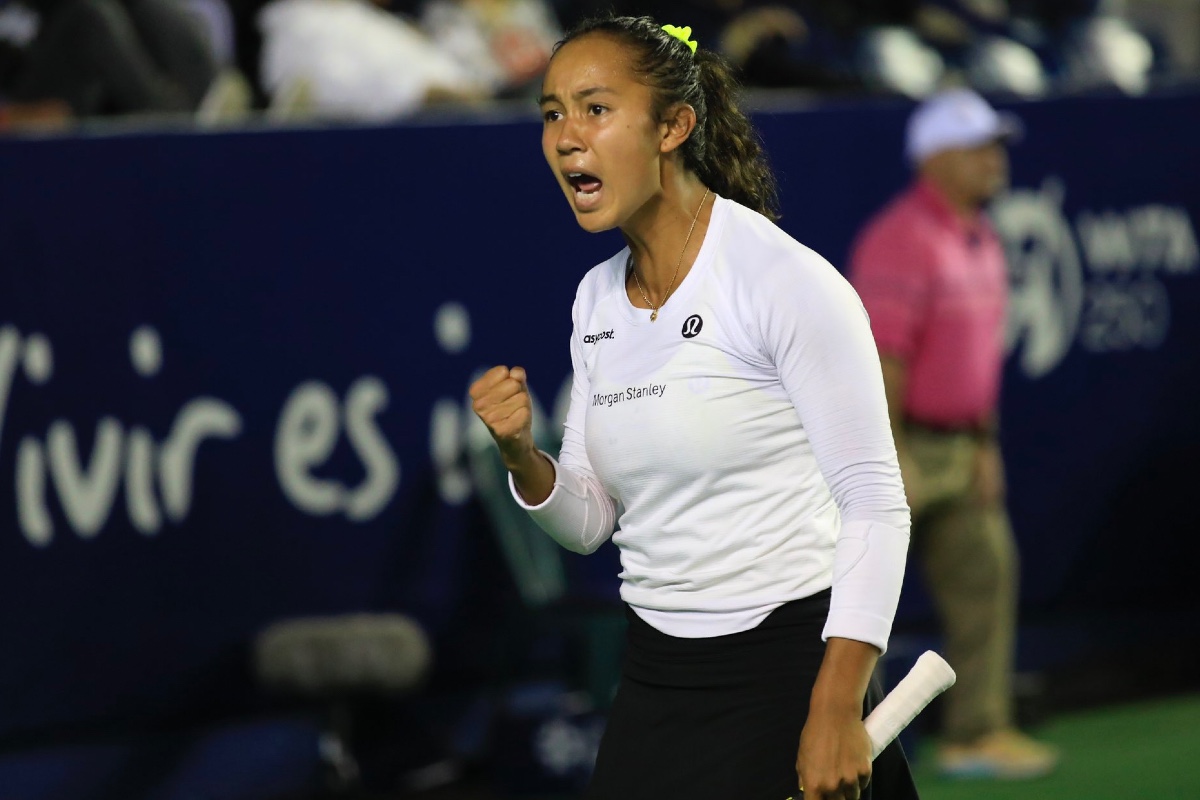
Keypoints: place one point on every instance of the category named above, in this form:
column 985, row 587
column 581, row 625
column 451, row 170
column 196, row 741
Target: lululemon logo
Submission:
column 692, row 326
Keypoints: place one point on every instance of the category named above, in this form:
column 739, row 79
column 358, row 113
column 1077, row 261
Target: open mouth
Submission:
column 586, row 186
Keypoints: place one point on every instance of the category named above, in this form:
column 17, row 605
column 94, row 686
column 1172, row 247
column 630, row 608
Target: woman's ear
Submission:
column 677, row 125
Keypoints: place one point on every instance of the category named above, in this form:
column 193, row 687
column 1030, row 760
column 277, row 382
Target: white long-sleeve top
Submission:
column 739, row 446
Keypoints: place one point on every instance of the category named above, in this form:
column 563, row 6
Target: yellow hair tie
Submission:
column 682, row 34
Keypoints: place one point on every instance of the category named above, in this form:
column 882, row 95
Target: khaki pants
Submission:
column 968, row 557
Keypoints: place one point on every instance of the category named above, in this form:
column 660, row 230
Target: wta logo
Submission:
column 1101, row 281
column 592, row 338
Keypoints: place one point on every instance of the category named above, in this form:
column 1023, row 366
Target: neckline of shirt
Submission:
column 687, row 286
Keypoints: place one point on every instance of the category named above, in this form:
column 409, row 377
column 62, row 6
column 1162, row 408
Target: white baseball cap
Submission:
column 957, row 118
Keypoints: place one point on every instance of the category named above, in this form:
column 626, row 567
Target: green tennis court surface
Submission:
column 1140, row 750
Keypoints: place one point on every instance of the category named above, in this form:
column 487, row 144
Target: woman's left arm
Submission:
column 834, row 759
column 816, row 331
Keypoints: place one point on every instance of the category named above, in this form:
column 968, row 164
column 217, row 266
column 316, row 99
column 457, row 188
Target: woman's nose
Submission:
column 569, row 139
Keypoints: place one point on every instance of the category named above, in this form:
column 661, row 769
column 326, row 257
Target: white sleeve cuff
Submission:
column 512, row 487
column 868, row 571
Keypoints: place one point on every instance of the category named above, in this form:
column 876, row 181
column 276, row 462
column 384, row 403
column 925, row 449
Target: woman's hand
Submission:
column 501, row 399
column 834, row 760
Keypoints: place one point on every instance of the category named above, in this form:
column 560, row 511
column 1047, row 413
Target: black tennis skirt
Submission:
column 719, row 718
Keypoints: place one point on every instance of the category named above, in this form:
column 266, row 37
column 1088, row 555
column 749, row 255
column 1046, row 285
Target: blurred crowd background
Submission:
column 354, row 59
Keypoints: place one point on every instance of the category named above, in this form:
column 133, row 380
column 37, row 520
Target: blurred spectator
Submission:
column 975, row 41
column 1106, row 51
column 873, row 41
column 1173, row 29
column 41, row 115
column 216, row 19
column 771, row 43
column 792, row 45
column 1026, row 48
column 1087, row 44
column 351, row 59
column 1022, row 47
column 503, row 44
column 894, row 58
column 115, row 57
column 931, row 274
column 998, row 64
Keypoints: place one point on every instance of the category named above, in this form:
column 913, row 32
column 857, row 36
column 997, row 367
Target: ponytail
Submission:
column 733, row 163
column 724, row 150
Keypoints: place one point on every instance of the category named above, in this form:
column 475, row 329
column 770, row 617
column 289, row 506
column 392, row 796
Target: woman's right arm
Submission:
column 565, row 499
column 501, row 399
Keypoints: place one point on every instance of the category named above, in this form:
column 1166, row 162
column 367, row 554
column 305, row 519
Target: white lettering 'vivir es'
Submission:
column 87, row 485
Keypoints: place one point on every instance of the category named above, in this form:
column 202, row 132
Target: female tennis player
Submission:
column 728, row 422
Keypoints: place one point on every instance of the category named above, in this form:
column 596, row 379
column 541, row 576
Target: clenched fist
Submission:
column 501, row 399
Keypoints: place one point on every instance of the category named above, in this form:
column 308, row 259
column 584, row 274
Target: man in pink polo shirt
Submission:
column 931, row 273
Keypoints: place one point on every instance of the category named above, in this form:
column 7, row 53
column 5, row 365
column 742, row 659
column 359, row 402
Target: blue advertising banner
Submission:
column 233, row 370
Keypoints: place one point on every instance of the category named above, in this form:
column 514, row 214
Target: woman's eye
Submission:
column 550, row 116
column 596, row 109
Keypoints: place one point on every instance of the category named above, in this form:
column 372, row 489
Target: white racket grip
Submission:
column 928, row 678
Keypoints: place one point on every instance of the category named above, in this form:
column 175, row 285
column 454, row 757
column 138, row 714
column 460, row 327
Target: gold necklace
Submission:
column 654, row 308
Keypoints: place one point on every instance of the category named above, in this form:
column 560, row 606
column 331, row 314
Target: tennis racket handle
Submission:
column 928, row 678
